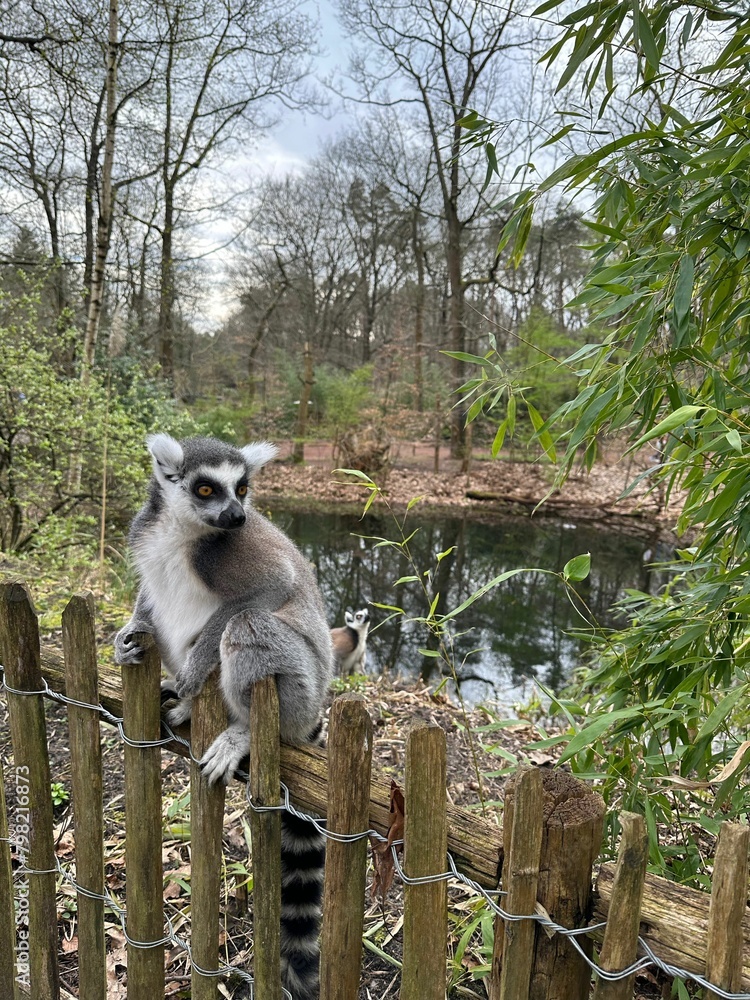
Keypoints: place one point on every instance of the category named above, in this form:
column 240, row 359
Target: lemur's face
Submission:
column 217, row 494
column 357, row 620
column 205, row 483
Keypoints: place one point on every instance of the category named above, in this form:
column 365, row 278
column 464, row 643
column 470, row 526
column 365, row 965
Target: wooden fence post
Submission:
column 728, row 901
column 572, row 835
column 144, row 877
column 620, row 947
column 349, row 768
column 209, row 718
column 7, row 910
column 265, row 785
column 425, row 853
column 79, row 645
column 520, row 880
column 19, row 648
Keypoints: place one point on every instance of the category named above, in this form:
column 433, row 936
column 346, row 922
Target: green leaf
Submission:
column 577, row 568
column 357, row 475
column 647, row 40
column 676, row 419
column 683, row 296
column 734, row 439
column 497, row 444
column 597, row 727
column 485, row 590
column 720, row 713
column 544, row 436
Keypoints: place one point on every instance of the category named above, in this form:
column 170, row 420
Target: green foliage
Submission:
column 60, row 794
column 354, row 682
column 662, row 709
column 48, row 417
column 228, row 423
column 339, row 398
column 495, row 390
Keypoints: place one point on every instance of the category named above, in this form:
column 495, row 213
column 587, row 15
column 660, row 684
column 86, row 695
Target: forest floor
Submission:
column 502, row 485
column 477, row 758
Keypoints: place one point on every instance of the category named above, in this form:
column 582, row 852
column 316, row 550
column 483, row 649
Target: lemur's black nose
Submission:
column 232, row 516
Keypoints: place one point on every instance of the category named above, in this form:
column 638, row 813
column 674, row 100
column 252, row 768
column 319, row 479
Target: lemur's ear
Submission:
column 258, row 454
column 168, row 457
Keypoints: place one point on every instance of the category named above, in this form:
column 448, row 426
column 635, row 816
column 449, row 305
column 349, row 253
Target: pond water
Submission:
column 514, row 634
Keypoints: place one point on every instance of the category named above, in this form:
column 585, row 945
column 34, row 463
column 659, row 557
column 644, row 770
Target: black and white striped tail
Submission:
column 302, row 869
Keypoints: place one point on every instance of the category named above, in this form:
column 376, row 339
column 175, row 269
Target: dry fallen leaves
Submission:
column 382, row 855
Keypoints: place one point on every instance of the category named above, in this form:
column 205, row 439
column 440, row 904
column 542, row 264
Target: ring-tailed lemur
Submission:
column 220, row 584
column 350, row 643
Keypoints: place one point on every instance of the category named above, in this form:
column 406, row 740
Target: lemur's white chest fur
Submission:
column 180, row 602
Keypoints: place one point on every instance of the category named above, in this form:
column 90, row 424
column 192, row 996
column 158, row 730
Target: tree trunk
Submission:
column 166, row 295
column 308, row 381
column 456, row 332
column 104, row 221
column 418, row 316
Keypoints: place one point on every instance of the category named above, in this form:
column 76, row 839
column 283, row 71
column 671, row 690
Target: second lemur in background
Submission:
column 350, row 643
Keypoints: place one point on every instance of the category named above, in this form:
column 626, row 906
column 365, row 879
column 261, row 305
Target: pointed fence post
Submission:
column 728, row 902
column 425, row 854
column 265, row 786
column 144, row 874
column 79, row 645
column 209, row 718
column 620, row 947
column 19, row 648
column 349, row 767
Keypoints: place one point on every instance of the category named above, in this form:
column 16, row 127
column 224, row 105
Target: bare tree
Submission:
column 439, row 58
column 227, row 68
column 104, row 221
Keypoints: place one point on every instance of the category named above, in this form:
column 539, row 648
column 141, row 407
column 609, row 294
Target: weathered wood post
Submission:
column 209, row 718
column 572, row 834
column 425, row 854
column 520, row 881
column 265, row 785
column 728, row 901
column 79, row 645
column 7, row 910
column 620, row 947
column 349, row 768
column 19, row 648
column 144, row 875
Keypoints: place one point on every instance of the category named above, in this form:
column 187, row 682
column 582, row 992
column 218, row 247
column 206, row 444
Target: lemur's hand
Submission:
column 127, row 649
column 190, row 678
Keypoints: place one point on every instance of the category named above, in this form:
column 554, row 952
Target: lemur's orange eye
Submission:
column 205, row 490
column 242, row 491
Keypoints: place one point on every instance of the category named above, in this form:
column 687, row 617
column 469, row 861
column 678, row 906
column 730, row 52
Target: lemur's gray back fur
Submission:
column 220, row 584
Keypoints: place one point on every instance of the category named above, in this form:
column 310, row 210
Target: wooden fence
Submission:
column 547, row 850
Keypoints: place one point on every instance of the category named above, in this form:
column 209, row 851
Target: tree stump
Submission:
column 571, row 839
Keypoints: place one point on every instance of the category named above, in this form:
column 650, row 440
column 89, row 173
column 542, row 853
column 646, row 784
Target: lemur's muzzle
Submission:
column 233, row 516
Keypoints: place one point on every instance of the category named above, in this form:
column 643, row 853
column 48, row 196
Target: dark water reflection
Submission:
column 514, row 634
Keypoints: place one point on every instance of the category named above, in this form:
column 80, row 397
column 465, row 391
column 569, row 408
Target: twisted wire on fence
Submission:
column 541, row 917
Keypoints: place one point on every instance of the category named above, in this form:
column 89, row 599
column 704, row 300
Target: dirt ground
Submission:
column 477, row 758
column 490, row 485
